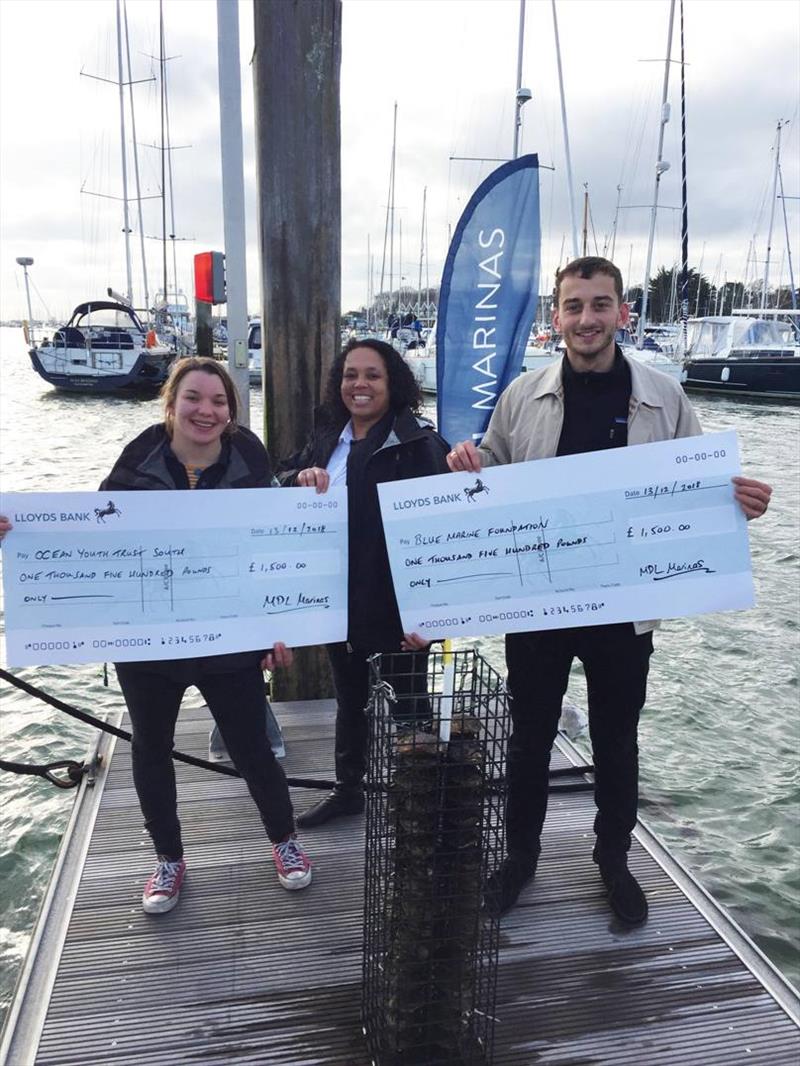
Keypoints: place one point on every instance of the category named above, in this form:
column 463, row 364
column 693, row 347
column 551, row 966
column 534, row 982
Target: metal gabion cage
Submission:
column 435, row 830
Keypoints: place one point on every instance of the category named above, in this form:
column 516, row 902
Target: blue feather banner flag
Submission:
column 488, row 298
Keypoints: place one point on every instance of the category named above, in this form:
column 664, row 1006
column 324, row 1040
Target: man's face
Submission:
column 587, row 316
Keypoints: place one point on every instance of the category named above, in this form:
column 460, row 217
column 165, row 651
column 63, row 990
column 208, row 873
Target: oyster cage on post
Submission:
column 435, row 829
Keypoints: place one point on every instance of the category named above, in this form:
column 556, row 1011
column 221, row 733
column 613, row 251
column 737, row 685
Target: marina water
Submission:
column 719, row 737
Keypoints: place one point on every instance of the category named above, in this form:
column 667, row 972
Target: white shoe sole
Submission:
column 160, row 905
column 293, row 884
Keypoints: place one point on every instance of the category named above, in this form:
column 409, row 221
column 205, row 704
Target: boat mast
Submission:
column 172, row 235
column 369, row 281
column 699, row 280
column 684, row 303
column 136, row 159
column 661, row 167
column 126, row 228
column 519, row 99
column 389, row 223
column 162, row 62
column 614, row 227
column 771, row 214
column 585, row 218
column 421, row 250
column 788, row 242
column 566, row 138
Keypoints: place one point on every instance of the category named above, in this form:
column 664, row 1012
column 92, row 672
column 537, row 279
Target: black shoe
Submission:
column 625, row 896
column 503, row 887
column 340, row 802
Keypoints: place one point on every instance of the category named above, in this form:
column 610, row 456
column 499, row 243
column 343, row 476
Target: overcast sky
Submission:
column 451, row 67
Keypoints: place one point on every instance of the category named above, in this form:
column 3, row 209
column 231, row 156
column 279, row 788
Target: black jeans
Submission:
column 236, row 700
column 616, row 662
column 406, row 672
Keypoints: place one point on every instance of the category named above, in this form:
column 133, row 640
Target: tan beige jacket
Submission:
column 527, row 420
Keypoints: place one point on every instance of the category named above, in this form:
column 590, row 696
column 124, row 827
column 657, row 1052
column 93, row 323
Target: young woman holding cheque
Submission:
column 200, row 446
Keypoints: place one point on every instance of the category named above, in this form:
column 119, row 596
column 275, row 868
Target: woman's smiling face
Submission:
column 365, row 388
column 200, row 413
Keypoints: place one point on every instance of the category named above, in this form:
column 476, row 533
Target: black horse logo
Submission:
column 476, row 489
column 102, row 512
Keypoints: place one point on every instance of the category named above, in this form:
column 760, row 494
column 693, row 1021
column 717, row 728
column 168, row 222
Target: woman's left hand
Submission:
column 314, row 477
column 278, row 656
column 414, row 642
column 752, row 496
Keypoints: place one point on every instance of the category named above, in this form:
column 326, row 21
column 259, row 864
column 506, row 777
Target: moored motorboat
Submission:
column 103, row 348
column 743, row 356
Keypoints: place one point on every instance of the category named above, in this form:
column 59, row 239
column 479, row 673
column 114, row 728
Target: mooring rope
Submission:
column 75, row 770
column 106, row 727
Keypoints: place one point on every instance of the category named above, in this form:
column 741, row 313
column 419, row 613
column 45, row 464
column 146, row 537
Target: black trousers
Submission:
column 406, row 672
column 616, row 663
column 236, row 700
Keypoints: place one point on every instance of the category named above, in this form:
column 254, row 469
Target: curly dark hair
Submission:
column 403, row 388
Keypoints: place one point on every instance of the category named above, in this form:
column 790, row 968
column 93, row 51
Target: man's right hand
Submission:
column 464, row 456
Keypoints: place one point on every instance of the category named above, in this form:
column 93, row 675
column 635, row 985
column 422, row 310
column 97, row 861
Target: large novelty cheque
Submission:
column 89, row 577
column 623, row 535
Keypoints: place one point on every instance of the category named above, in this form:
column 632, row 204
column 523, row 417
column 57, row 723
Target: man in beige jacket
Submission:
column 594, row 398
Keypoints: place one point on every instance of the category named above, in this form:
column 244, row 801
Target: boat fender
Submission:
column 151, row 340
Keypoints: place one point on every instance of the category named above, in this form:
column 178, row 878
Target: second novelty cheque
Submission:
column 624, row 535
column 168, row 575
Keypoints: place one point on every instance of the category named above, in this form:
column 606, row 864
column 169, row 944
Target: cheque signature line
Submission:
column 87, row 596
column 475, row 577
column 302, row 607
column 151, row 604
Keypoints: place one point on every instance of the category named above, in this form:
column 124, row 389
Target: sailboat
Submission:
column 104, row 347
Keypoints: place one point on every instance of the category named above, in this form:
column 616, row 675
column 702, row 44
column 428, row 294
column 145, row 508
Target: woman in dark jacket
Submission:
column 200, row 446
column 369, row 432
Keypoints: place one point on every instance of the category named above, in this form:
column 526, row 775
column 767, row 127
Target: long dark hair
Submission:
column 403, row 388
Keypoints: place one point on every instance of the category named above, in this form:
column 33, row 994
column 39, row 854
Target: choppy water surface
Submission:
column 720, row 735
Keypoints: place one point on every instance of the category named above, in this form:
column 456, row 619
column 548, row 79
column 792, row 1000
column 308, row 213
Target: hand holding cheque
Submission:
column 153, row 575
column 751, row 495
column 627, row 535
column 639, row 533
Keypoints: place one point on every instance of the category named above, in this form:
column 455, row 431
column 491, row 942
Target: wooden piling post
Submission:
column 296, row 76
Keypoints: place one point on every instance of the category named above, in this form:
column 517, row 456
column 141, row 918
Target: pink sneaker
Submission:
column 163, row 889
column 292, row 864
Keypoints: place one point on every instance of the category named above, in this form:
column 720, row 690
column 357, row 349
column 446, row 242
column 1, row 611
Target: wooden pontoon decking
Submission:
column 245, row 972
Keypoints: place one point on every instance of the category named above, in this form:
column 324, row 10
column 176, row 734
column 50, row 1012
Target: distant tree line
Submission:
column 663, row 300
column 704, row 297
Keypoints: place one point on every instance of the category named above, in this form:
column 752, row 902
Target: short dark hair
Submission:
column 586, row 268
column 403, row 388
column 180, row 368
